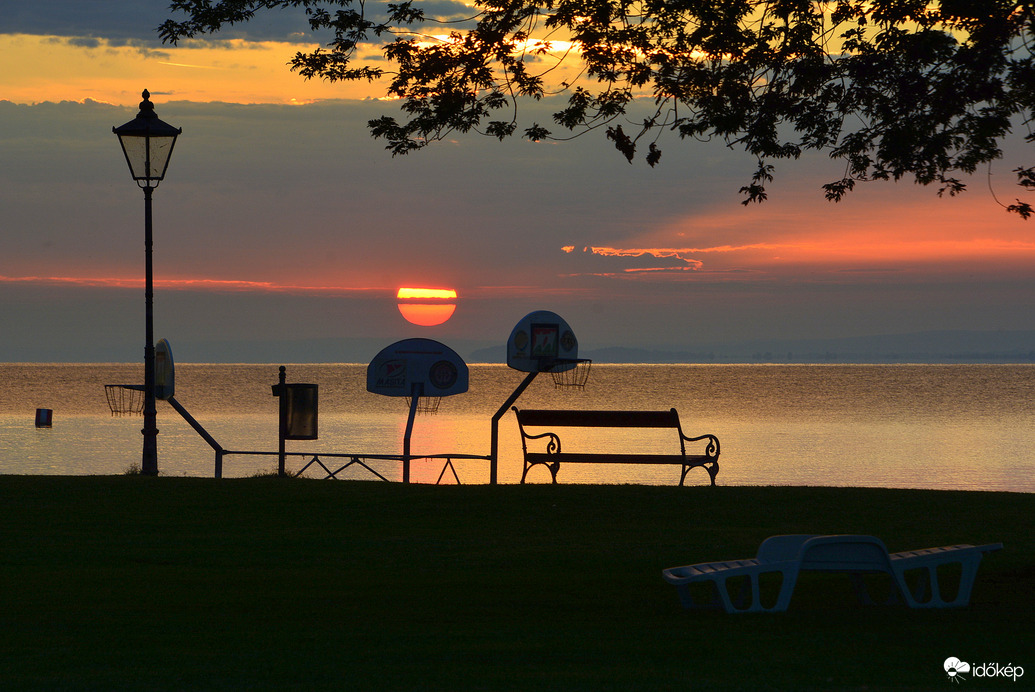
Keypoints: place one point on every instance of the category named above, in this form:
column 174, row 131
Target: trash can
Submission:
column 44, row 417
column 300, row 402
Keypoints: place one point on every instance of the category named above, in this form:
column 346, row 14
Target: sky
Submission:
column 283, row 230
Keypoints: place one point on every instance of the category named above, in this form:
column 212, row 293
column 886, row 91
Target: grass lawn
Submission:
column 141, row 583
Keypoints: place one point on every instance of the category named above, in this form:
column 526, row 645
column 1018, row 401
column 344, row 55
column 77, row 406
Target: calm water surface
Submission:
column 902, row 426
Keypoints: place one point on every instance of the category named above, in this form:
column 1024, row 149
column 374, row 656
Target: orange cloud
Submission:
column 857, row 252
column 906, row 230
column 52, row 68
column 679, row 254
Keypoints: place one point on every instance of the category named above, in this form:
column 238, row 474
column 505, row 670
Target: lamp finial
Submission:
column 147, row 109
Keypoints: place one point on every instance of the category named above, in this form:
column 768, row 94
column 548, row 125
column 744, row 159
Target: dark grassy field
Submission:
column 171, row 583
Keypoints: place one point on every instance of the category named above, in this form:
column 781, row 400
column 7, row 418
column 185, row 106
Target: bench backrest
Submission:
column 597, row 419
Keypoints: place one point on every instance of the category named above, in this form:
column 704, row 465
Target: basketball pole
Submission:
column 280, row 391
column 494, row 442
column 416, row 391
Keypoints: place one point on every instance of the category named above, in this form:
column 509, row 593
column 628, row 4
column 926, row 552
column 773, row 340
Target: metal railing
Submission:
column 354, row 460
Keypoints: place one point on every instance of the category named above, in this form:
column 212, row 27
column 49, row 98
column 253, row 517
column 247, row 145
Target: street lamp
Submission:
column 147, row 143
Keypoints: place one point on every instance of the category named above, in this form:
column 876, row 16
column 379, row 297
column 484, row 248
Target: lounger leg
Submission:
column 739, row 598
column 861, row 591
column 720, row 597
column 753, row 591
column 687, row 601
column 928, row 593
column 683, row 591
column 967, row 576
column 724, row 596
column 863, row 594
column 934, row 593
column 790, row 578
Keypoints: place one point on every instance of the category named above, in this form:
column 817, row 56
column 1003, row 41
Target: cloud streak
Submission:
column 642, row 259
column 875, row 253
column 206, row 285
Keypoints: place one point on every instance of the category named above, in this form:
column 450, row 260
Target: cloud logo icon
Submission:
column 955, row 668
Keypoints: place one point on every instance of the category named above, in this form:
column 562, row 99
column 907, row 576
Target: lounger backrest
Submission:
column 781, row 548
column 845, row 554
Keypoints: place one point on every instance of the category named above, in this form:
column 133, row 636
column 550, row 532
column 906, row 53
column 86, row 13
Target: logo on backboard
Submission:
column 392, row 374
column 544, row 340
column 521, row 343
column 568, row 342
column 443, row 374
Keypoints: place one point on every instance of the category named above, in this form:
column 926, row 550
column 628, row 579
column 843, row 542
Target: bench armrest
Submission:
column 553, row 446
column 712, row 448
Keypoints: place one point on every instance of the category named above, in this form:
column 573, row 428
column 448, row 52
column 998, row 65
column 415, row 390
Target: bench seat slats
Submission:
column 580, row 458
column 931, row 552
column 729, row 566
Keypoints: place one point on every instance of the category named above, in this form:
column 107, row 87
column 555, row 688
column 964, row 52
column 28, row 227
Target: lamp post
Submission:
column 147, row 143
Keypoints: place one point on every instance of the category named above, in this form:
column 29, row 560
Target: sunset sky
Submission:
column 283, row 231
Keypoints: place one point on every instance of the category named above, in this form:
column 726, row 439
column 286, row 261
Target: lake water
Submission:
column 897, row 426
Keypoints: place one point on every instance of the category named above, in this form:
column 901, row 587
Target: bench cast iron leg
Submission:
column 712, row 470
column 554, row 467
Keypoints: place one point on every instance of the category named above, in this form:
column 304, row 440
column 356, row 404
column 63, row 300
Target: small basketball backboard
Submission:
column 542, row 342
column 432, row 368
column 165, row 373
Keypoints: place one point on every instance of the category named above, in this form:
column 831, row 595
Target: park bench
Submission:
column 736, row 585
column 554, row 455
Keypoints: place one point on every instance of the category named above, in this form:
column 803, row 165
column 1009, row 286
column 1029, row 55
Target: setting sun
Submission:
column 426, row 306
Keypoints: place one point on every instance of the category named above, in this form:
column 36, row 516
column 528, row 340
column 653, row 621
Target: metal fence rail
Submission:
column 353, row 459
column 317, row 459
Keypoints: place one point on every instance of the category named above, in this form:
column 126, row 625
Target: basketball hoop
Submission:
column 426, row 405
column 571, row 377
column 125, row 399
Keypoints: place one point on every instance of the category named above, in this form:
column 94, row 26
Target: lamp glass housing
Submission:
column 147, row 143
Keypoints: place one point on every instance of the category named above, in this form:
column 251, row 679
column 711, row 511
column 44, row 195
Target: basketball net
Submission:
column 573, row 378
column 125, row 399
column 426, row 405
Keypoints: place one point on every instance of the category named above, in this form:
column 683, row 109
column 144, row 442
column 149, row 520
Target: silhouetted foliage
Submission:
column 893, row 88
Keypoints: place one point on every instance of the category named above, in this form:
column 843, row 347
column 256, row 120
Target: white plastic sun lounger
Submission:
column 787, row 556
